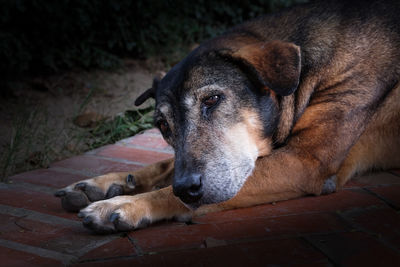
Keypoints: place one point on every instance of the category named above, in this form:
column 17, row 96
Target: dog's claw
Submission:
column 80, row 186
column 60, row 193
column 119, row 224
column 130, row 181
column 143, row 223
column 114, row 217
column 87, row 221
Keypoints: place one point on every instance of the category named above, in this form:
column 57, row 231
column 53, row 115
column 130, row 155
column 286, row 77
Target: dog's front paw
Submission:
column 79, row 195
column 122, row 213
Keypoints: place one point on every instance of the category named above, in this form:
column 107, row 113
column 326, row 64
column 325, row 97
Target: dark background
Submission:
column 45, row 36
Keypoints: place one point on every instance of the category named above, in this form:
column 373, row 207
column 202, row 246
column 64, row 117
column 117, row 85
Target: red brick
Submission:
column 285, row 251
column 29, row 232
column 313, row 263
column 261, row 253
column 383, row 223
column 395, row 172
column 94, row 165
column 44, row 203
column 116, row 248
column 194, row 236
column 148, row 141
column 133, row 154
column 355, row 249
column 173, row 236
column 153, row 131
column 281, row 251
column 74, row 240
column 353, row 184
column 282, row 225
column 391, row 193
column 342, row 200
column 373, row 179
column 150, row 261
column 48, row 177
column 65, row 239
column 11, row 257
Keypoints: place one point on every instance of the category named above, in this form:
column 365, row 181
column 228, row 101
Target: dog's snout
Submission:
column 188, row 187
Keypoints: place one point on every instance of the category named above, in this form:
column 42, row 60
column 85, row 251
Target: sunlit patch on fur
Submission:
column 254, row 133
column 239, row 142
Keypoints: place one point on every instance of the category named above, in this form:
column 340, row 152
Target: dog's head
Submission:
column 218, row 109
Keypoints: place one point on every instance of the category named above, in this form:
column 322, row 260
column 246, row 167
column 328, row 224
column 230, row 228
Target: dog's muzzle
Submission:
column 188, row 187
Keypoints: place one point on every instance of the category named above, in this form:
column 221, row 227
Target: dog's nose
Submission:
column 188, row 188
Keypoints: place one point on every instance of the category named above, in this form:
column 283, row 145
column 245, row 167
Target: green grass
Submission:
column 120, row 127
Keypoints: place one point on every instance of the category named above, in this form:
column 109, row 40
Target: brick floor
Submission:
column 359, row 225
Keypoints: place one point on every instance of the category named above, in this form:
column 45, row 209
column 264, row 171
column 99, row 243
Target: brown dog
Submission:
column 280, row 107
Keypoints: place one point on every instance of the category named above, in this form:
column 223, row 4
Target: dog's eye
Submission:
column 163, row 125
column 211, row 101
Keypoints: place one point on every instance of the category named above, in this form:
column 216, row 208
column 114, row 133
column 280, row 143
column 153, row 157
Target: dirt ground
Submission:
column 39, row 115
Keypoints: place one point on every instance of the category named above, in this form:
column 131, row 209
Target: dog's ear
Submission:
column 275, row 64
column 151, row 92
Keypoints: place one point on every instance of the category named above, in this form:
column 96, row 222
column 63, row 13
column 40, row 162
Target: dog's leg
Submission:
column 124, row 213
column 80, row 194
column 379, row 146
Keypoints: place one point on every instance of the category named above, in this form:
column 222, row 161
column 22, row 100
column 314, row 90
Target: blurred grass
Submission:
column 27, row 129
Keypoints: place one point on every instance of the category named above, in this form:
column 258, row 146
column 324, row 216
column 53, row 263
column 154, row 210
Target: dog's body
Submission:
column 280, row 107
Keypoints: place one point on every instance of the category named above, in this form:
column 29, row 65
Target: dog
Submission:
column 286, row 105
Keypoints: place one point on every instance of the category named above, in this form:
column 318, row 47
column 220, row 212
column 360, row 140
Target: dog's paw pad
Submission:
column 92, row 192
column 114, row 190
column 74, row 201
column 87, row 221
column 60, row 193
column 77, row 196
